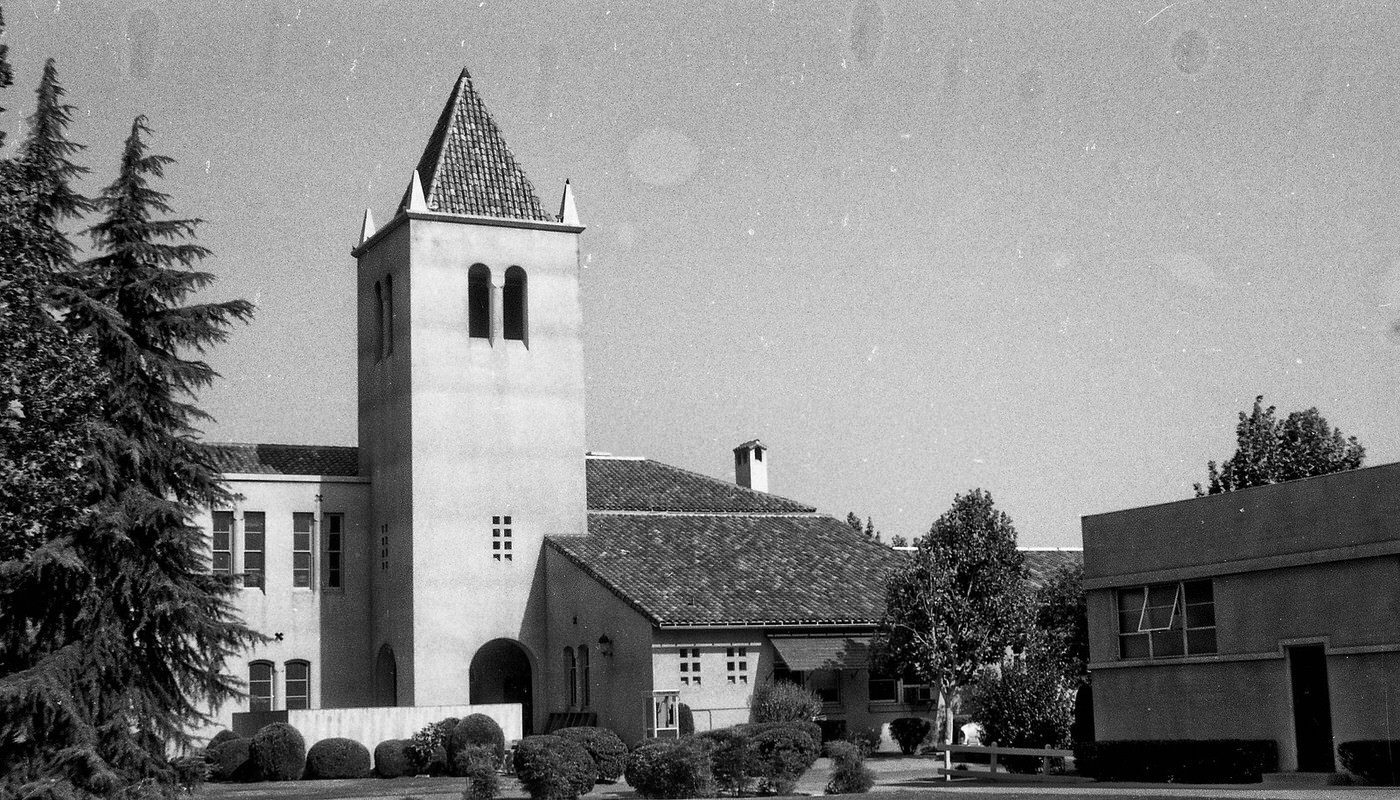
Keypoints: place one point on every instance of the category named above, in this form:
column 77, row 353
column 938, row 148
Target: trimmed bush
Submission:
column 669, row 768
column 553, row 768
column 1375, row 761
column 429, row 747
column 477, row 763
column 849, row 775
column 909, row 733
column 221, row 737
column 686, row 720
column 1177, row 760
column 337, row 758
column 783, row 701
column 867, row 740
column 606, row 748
column 476, row 729
column 393, row 758
column 781, row 754
column 278, row 752
column 731, row 757
column 228, row 761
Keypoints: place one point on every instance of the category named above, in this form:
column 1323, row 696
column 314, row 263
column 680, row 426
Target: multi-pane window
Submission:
column 501, row 538
column 916, row 693
column 1166, row 620
column 690, row 666
column 260, row 686
column 585, row 678
column 334, row 527
column 254, row 541
column 298, row 683
column 882, row 688
column 303, row 523
column 736, row 665
column 571, row 667
column 826, row 685
column 222, row 547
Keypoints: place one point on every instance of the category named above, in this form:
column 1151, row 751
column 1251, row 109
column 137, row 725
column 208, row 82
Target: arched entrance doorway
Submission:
column 386, row 678
column 500, row 673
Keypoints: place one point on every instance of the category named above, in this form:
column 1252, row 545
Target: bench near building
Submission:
column 1266, row 613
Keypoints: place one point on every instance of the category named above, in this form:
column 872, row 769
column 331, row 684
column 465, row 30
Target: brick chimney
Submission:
column 751, row 465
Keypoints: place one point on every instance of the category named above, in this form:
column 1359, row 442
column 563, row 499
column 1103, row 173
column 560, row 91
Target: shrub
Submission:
column 278, row 752
column 782, row 753
column 221, row 737
column 393, row 758
column 337, row 758
column 731, row 757
column 1372, row 760
column 429, row 746
column 190, row 772
column 477, row 763
column 606, row 748
column 849, row 775
column 476, row 729
column 783, row 701
column 812, row 729
column 553, row 768
column 228, row 761
column 867, row 740
column 909, row 733
column 686, row 720
column 1177, row 760
column 1021, row 706
column 668, row 768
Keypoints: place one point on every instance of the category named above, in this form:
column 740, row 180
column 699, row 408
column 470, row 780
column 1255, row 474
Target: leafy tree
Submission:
column 1020, row 704
column 898, row 541
column 867, row 529
column 1269, row 450
column 959, row 603
column 1061, row 616
column 853, row 519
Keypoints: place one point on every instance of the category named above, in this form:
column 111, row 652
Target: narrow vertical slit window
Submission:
column 298, row 685
column 388, row 315
column 334, row 528
column 221, row 559
column 479, row 302
column 254, row 541
column 571, row 669
column 514, row 305
column 378, row 321
column 584, row 677
column 303, row 523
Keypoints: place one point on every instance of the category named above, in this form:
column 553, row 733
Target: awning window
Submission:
column 805, row 653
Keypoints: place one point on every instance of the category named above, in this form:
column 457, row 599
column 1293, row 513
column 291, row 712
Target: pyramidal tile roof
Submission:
column 467, row 167
column 284, row 459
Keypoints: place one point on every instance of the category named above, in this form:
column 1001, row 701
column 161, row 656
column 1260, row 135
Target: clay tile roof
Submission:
column 1042, row 564
column 285, row 459
column 727, row 569
column 636, row 484
column 467, row 167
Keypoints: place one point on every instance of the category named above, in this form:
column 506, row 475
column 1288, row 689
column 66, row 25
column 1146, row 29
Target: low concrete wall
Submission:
column 370, row 726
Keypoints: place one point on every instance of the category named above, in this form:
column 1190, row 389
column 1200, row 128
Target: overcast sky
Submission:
column 1049, row 249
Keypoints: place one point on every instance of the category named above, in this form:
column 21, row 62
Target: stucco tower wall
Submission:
column 497, row 430
column 386, row 452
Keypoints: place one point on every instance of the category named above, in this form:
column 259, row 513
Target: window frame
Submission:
column 255, row 577
column 736, row 664
column 295, row 702
column 1160, row 635
column 585, row 676
column 256, row 701
column 302, row 562
column 215, row 551
column 571, row 669
column 690, row 667
column 333, row 529
column 502, row 538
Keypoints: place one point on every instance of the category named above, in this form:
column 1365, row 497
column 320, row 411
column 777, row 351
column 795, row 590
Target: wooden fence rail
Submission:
column 992, row 751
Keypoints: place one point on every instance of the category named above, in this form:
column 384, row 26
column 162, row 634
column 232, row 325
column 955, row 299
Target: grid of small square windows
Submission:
column 501, row 538
column 736, row 664
column 690, row 666
column 384, row 548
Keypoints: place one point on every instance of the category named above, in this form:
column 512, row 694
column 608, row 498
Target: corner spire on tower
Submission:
column 568, row 212
column 467, row 168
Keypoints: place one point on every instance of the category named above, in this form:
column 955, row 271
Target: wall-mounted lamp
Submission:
column 605, row 646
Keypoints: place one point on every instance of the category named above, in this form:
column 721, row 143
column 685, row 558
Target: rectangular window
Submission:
column 690, row 666
column 298, row 683
column 303, row 523
column 501, row 539
column 254, row 540
column 222, row 547
column 916, row 694
column 826, row 685
column 882, row 688
column 1166, row 620
column 736, row 665
column 333, row 525
column 260, row 686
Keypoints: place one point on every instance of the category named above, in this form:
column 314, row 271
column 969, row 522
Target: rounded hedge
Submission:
column 606, row 748
column 553, row 768
column 782, row 753
column 223, row 736
column 337, row 758
column 476, row 729
column 671, row 768
column 909, row 733
column 731, row 757
column 278, row 752
column 783, row 701
column 228, row 760
column 393, row 758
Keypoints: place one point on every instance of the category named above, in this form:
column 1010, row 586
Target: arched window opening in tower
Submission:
column 479, row 302
column 514, row 299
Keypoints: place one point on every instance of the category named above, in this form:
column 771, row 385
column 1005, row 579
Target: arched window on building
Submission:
column 388, row 315
column 514, row 304
column 587, row 679
column 298, row 684
column 479, row 302
column 571, row 669
column 260, row 686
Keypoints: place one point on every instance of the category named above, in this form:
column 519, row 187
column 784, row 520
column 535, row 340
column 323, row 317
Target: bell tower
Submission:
column 471, row 398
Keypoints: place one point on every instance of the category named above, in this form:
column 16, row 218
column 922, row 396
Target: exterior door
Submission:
column 1312, row 708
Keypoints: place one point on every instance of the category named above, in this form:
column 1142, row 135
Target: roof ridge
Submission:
column 811, row 508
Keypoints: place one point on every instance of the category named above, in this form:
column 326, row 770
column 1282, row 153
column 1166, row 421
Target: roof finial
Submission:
column 415, row 195
column 367, row 227
column 568, row 212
